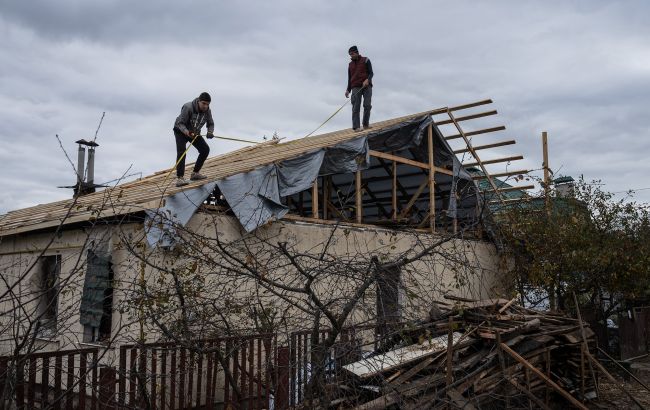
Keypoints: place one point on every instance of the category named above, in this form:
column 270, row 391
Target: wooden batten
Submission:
column 486, row 146
column 432, row 181
column 477, row 132
column 358, row 200
column 494, row 161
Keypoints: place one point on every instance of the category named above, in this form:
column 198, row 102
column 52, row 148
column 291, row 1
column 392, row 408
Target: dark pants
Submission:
column 356, row 94
column 181, row 144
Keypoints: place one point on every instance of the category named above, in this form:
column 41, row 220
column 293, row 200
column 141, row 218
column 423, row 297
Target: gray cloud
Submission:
column 578, row 69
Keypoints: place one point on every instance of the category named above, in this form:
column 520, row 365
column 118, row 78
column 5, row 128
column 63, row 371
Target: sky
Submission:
column 579, row 70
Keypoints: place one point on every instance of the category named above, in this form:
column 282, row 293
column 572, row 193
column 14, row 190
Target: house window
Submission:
column 97, row 298
column 46, row 287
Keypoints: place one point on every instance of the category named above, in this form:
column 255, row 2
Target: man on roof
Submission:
column 187, row 128
column 360, row 85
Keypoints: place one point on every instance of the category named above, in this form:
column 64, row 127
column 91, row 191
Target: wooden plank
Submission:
column 477, row 132
column 512, row 188
column 494, row 161
column 394, row 190
column 503, row 174
column 358, row 199
column 414, row 198
column 542, row 376
column 432, row 180
column 467, row 117
column 314, row 199
column 486, row 146
column 407, row 161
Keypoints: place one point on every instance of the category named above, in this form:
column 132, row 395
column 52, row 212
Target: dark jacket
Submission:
column 359, row 70
column 191, row 119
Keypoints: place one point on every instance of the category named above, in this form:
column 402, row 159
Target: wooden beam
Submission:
column 414, row 198
column 612, row 379
column 542, row 376
column 314, row 199
column 407, row 161
column 477, row 132
column 326, row 195
column 471, row 105
column 394, row 191
column 486, row 146
column 495, row 161
column 472, row 151
column 432, row 180
column 358, row 197
column 511, row 188
column 547, row 179
column 503, row 174
column 467, row 117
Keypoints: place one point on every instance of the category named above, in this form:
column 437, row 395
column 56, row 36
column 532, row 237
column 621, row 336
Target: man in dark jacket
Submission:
column 360, row 84
column 187, row 128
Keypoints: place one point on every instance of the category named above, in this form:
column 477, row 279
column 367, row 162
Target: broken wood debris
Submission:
column 502, row 356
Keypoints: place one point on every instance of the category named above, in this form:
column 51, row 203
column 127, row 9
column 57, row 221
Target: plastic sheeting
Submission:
column 177, row 210
column 255, row 196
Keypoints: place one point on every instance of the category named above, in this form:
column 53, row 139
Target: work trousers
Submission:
column 181, row 145
column 356, row 95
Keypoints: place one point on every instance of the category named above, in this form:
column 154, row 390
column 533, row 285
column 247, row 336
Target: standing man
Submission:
column 187, row 128
column 360, row 84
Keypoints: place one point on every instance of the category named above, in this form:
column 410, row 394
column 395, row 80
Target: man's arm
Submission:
column 183, row 119
column 210, row 122
column 369, row 70
column 349, row 78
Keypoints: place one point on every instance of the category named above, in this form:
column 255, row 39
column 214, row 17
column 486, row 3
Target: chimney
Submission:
column 564, row 186
column 85, row 173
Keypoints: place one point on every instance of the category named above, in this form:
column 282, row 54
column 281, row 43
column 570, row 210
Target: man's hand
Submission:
column 347, row 94
column 209, row 135
column 190, row 134
column 365, row 83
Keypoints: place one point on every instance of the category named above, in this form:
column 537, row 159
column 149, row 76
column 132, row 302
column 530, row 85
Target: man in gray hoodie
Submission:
column 187, row 128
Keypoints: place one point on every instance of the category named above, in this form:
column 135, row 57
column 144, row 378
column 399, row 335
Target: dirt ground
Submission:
column 613, row 398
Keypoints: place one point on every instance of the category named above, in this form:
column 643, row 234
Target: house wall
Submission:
column 467, row 268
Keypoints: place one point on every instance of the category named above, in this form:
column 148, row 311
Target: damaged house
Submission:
column 343, row 230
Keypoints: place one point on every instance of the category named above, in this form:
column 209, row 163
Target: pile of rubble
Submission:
column 502, row 356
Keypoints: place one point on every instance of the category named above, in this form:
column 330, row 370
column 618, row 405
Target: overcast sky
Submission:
column 577, row 69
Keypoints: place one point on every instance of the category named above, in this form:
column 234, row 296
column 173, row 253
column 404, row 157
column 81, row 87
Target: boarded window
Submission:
column 97, row 298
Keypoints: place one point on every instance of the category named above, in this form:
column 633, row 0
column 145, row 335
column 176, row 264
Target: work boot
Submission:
column 367, row 127
column 356, row 129
column 180, row 181
column 196, row 176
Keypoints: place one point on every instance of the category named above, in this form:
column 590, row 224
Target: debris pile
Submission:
column 502, row 356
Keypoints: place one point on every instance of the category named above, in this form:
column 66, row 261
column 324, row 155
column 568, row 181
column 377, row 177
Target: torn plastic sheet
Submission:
column 177, row 210
column 254, row 196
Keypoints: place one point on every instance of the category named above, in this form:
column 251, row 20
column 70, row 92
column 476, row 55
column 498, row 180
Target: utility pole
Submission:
column 547, row 190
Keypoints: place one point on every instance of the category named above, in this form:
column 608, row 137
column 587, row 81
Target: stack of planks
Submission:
column 502, row 356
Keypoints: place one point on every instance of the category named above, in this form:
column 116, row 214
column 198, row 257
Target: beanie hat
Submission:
column 205, row 97
column 353, row 48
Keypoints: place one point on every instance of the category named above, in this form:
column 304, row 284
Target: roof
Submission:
column 147, row 193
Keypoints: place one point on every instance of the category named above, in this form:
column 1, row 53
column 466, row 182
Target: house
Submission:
column 109, row 267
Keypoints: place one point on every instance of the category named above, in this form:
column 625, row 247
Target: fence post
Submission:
column 284, row 371
column 107, row 382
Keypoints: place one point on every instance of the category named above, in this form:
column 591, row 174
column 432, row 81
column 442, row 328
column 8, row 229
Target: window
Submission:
column 46, row 289
column 97, row 299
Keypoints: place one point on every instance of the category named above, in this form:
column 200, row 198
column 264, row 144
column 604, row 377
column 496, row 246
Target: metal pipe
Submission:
column 91, row 166
column 81, row 159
